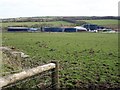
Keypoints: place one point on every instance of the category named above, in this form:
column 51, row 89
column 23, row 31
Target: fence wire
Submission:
column 39, row 81
column 10, row 66
column 43, row 80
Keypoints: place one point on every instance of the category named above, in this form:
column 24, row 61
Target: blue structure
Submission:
column 22, row 29
column 101, row 27
column 18, row 29
column 70, row 30
column 90, row 26
column 53, row 29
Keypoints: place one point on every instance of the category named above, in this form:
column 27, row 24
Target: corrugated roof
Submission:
column 79, row 27
column 17, row 27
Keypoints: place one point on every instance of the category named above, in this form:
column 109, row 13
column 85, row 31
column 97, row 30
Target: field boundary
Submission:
column 7, row 80
column 29, row 73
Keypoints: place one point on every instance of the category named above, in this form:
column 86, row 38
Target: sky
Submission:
column 31, row 8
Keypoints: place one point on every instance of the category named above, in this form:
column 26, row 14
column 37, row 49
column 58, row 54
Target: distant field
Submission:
column 29, row 24
column 84, row 58
column 103, row 22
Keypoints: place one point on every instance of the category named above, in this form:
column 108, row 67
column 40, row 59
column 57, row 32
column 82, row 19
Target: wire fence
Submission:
column 38, row 81
column 41, row 81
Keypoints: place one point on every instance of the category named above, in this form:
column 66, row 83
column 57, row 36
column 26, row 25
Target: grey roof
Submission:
column 17, row 27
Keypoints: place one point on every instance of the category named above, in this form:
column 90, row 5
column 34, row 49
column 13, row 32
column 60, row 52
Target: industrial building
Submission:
column 70, row 30
column 90, row 27
column 18, row 29
column 53, row 29
column 21, row 29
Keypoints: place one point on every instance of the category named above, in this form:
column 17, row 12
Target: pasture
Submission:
column 84, row 58
column 35, row 24
column 105, row 22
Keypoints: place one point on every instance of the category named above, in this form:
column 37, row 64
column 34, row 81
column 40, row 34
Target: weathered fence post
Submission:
column 55, row 83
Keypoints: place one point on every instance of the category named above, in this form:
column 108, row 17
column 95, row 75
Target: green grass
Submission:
column 84, row 58
column 103, row 22
column 29, row 24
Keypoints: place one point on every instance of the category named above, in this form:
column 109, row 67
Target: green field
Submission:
column 103, row 22
column 31, row 24
column 84, row 58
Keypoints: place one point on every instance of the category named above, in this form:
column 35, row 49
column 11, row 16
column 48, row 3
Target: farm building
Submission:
column 80, row 29
column 92, row 27
column 18, row 29
column 70, row 30
column 22, row 29
column 32, row 29
column 53, row 29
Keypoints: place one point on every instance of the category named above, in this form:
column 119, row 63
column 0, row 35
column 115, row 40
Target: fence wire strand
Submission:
column 26, row 64
column 40, row 76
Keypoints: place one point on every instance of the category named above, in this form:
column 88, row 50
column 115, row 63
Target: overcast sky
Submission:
column 29, row 8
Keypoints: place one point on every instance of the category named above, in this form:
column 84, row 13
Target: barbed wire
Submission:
column 47, row 82
column 24, row 68
column 11, row 71
column 40, row 76
column 51, row 86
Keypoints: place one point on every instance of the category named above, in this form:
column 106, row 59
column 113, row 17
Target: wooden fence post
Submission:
column 55, row 82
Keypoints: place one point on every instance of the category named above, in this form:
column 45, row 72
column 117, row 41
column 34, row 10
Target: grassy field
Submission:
column 29, row 24
column 103, row 22
column 84, row 58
